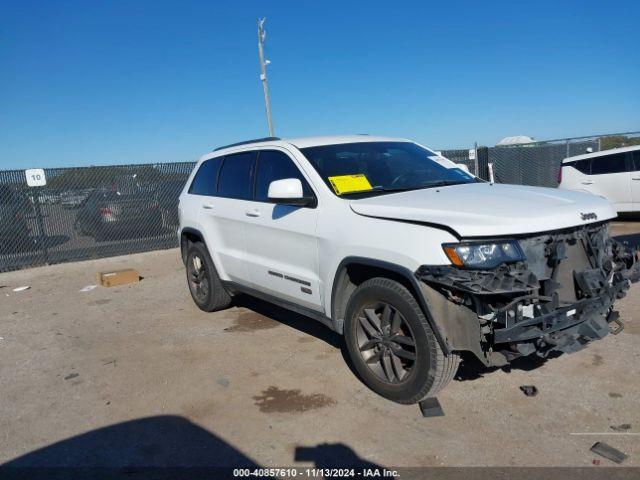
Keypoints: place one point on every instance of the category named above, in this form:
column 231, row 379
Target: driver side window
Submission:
column 274, row 165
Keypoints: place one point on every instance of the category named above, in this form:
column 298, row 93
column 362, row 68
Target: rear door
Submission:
column 223, row 216
column 282, row 247
column 610, row 178
column 635, row 179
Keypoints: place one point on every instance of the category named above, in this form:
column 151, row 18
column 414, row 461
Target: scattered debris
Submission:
column 223, row 381
column 607, row 451
column 615, row 395
column 529, row 390
column 21, row 289
column 620, row 428
column 1, row 338
column 596, row 461
column 430, row 407
column 118, row 277
column 88, row 288
column 110, row 362
column 71, row 375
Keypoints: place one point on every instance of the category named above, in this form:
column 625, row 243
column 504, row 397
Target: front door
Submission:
column 282, row 248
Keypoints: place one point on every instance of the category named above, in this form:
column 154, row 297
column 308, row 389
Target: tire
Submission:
column 205, row 286
column 400, row 377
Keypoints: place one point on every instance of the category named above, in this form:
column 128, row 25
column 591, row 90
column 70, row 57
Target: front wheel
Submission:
column 205, row 286
column 392, row 345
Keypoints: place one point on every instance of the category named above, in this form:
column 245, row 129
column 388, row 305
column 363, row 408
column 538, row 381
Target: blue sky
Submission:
column 94, row 83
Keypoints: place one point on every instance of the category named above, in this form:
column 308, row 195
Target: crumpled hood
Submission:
column 487, row 210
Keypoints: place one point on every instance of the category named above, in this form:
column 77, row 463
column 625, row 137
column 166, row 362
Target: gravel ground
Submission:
column 137, row 375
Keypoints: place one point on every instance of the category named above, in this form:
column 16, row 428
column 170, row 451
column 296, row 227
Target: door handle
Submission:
column 588, row 182
column 207, row 206
column 635, row 178
column 254, row 212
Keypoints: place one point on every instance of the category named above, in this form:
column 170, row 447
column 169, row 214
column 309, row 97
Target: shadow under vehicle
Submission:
column 110, row 214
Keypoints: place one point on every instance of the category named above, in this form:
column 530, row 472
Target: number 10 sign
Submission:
column 35, row 177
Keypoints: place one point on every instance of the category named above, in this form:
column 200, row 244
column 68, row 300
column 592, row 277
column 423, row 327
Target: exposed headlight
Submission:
column 483, row 255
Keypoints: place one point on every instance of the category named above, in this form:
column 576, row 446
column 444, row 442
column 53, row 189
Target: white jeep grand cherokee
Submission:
column 414, row 260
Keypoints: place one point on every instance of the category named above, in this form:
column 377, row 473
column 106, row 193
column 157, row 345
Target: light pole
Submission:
column 263, row 73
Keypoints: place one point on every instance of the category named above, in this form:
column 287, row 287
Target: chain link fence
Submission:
column 535, row 163
column 93, row 212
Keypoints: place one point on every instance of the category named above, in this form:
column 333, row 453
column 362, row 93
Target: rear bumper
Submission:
column 527, row 308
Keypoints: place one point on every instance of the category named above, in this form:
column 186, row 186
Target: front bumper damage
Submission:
column 558, row 300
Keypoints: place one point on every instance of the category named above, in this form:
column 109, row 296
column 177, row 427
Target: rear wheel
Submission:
column 392, row 345
column 205, row 286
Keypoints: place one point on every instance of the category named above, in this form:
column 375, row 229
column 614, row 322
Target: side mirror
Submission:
column 288, row 191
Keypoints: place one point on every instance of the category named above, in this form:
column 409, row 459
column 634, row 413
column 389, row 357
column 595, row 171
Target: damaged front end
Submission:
column 557, row 297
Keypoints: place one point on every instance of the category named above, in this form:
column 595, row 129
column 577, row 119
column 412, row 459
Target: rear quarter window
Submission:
column 616, row 163
column 635, row 159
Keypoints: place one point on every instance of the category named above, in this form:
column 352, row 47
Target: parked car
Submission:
column 107, row 215
column 613, row 174
column 412, row 259
column 14, row 229
column 167, row 195
column 71, row 199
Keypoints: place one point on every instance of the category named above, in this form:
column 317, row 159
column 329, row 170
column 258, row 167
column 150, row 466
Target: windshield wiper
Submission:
column 443, row 183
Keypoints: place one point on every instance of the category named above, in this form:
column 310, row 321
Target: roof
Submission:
column 515, row 140
column 304, row 142
column 601, row 153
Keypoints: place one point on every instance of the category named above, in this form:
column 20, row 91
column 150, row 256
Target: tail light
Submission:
column 559, row 177
column 106, row 214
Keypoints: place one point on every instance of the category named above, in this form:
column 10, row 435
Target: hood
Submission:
column 488, row 210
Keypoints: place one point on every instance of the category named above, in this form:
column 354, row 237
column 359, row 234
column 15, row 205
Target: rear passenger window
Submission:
column 235, row 176
column 609, row 164
column 205, row 180
column 274, row 165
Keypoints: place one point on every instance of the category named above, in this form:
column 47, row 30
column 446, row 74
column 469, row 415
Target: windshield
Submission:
column 374, row 168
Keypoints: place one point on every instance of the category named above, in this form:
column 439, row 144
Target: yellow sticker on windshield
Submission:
column 350, row 183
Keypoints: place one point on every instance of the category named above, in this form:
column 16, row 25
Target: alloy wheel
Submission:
column 198, row 278
column 386, row 342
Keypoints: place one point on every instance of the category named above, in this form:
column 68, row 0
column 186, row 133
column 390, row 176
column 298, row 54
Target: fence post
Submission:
column 42, row 239
column 475, row 159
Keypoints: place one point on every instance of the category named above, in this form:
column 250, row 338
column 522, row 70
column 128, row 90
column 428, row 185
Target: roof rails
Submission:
column 246, row 142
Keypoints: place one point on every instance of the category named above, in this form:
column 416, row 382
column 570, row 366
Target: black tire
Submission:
column 417, row 371
column 205, row 286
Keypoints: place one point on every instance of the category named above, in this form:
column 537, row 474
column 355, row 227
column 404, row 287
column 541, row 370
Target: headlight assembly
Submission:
column 483, row 254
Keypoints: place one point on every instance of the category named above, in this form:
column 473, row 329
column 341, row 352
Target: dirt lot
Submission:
column 137, row 375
